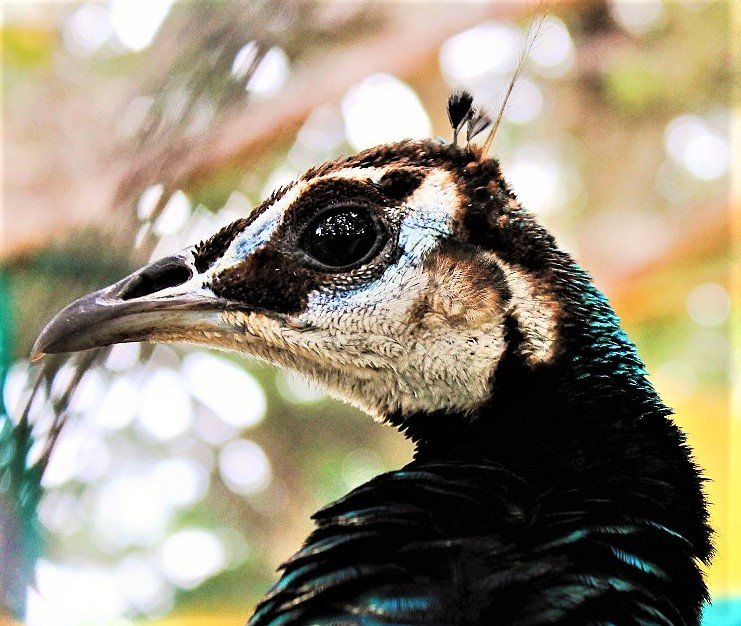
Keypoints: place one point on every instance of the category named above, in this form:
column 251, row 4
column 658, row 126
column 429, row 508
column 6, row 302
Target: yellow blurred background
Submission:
column 182, row 477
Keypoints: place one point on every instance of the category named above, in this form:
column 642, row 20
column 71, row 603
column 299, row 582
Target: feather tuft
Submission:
column 460, row 110
column 478, row 122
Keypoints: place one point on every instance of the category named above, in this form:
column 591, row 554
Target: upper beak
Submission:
column 163, row 300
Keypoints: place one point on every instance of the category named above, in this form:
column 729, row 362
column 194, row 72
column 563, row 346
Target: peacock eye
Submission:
column 342, row 237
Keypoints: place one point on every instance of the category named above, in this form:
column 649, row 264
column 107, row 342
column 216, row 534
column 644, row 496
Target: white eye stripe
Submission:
column 259, row 232
column 355, row 173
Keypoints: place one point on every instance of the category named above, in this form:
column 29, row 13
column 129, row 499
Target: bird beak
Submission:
column 166, row 300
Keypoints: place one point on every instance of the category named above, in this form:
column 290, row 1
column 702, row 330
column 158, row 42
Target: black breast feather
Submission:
column 472, row 543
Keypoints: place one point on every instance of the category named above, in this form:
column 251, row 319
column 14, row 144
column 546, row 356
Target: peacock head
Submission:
column 392, row 278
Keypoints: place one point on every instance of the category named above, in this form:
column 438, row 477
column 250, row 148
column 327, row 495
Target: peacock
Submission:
column 549, row 484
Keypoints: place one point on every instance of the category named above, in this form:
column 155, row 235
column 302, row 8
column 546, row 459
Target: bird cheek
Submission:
column 458, row 294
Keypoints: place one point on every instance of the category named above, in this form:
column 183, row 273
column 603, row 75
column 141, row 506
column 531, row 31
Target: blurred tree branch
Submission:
column 82, row 174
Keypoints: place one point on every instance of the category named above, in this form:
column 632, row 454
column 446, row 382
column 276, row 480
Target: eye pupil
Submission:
column 341, row 238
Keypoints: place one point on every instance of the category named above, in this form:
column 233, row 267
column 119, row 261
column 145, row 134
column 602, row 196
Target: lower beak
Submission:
column 164, row 300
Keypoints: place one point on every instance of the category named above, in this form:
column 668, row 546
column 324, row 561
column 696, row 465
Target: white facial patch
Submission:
column 359, row 342
column 427, row 370
column 535, row 311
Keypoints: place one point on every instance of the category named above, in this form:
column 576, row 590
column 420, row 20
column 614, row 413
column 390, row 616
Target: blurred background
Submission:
column 183, row 477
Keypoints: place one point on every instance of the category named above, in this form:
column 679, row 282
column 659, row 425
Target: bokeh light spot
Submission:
column 130, row 510
column 80, row 453
column 689, row 140
column 174, row 214
column 136, row 22
column 278, row 178
column 525, row 103
column 59, row 512
column 85, row 592
column 244, row 467
column 479, row 51
column 123, row 356
column 190, row 556
column 15, row 388
column 553, row 50
column 148, row 201
column 226, row 388
column 536, row 177
column 244, row 59
column 709, row 304
column 180, row 480
column 637, row 18
column 297, row 389
column 382, row 109
column 270, row 75
column 144, row 586
column 87, row 29
column 119, row 406
column 166, row 409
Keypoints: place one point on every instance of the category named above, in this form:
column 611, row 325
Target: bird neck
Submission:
column 595, row 383
column 589, row 415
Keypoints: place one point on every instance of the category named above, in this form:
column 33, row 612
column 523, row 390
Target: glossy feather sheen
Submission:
column 473, row 543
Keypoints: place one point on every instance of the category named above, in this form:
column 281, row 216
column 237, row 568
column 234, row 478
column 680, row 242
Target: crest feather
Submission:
column 460, row 110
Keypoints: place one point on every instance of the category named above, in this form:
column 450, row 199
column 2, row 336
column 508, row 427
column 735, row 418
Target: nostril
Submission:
column 156, row 277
